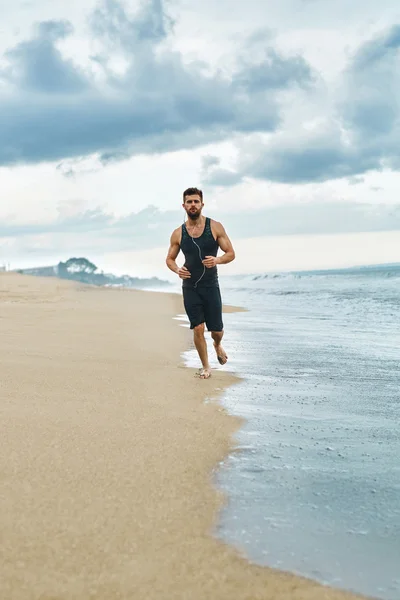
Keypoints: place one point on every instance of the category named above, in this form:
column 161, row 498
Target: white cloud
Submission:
column 215, row 39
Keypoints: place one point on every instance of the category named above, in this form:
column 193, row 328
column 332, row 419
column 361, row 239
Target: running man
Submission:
column 199, row 238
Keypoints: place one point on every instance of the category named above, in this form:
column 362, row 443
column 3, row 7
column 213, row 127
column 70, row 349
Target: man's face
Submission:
column 193, row 206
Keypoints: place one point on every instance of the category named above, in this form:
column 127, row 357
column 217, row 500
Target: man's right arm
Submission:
column 173, row 251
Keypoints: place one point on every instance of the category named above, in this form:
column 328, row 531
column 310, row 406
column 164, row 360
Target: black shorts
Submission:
column 204, row 305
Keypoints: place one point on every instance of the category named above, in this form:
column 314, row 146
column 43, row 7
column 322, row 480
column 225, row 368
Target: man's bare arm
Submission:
column 173, row 251
column 225, row 244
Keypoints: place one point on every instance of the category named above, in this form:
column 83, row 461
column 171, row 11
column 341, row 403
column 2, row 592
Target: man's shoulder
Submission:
column 176, row 234
column 216, row 226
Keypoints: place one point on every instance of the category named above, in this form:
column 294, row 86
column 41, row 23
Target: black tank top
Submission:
column 205, row 245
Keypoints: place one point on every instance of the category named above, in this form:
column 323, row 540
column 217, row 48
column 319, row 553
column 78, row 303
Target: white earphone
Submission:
column 204, row 268
column 199, row 249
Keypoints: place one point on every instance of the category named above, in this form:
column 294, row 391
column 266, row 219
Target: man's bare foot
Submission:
column 221, row 354
column 205, row 373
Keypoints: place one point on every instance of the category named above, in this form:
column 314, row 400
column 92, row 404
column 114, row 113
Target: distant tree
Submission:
column 76, row 265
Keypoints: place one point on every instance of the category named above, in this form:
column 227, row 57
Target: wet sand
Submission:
column 108, row 451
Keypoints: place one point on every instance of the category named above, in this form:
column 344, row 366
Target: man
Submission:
column 199, row 238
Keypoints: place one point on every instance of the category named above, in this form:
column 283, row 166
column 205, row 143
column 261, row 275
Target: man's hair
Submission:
column 192, row 192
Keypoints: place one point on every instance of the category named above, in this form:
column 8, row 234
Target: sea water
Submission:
column 313, row 485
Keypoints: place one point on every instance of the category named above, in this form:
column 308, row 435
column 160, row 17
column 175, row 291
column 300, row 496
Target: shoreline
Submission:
column 110, row 451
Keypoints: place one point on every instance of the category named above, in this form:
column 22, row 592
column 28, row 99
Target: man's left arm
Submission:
column 226, row 246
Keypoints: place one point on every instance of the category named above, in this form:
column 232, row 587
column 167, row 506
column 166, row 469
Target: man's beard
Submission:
column 194, row 215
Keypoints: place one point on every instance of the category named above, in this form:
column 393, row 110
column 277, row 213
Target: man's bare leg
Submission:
column 221, row 354
column 201, row 347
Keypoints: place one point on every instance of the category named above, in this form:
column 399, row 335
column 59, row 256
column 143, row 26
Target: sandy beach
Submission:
column 108, row 451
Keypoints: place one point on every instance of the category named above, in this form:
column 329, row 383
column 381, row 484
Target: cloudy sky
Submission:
column 287, row 114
